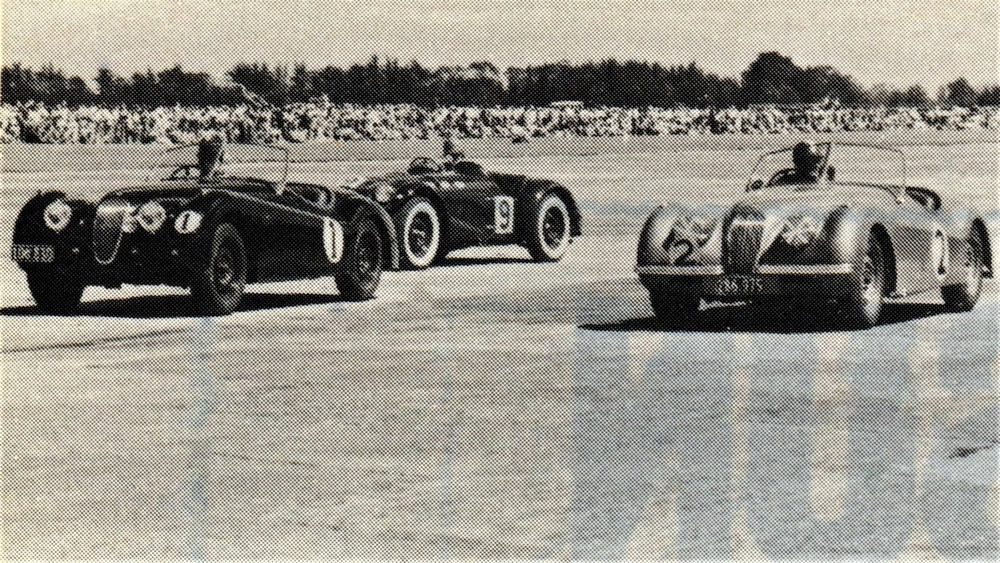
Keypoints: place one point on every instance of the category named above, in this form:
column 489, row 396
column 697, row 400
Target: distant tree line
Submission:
column 770, row 79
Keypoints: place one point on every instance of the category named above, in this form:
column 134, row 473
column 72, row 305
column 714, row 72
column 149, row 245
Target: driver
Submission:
column 450, row 154
column 807, row 160
column 210, row 156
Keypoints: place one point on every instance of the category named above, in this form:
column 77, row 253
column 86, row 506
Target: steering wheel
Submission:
column 780, row 176
column 182, row 172
column 423, row 165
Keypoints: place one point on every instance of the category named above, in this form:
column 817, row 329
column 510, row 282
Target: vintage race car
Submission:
column 437, row 208
column 851, row 234
column 200, row 229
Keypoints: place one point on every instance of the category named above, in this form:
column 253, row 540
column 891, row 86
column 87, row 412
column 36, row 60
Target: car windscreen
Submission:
column 775, row 166
column 258, row 161
column 862, row 164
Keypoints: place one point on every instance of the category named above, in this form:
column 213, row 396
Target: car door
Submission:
column 469, row 199
column 920, row 244
column 293, row 238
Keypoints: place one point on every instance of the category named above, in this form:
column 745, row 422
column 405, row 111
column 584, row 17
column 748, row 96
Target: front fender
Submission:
column 678, row 236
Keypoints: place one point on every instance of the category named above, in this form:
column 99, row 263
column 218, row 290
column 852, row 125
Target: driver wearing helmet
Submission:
column 210, row 157
column 451, row 153
column 807, row 159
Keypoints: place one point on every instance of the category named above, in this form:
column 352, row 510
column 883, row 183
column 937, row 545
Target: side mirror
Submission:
column 755, row 185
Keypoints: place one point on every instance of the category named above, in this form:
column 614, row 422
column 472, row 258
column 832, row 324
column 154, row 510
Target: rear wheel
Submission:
column 365, row 264
column 549, row 237
column 963, row 296
column 54, row 292
column 675, row 310
column 863, row 306
column 218, row 288
column 418, row 229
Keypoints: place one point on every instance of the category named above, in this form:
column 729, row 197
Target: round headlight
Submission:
column 151, row 216
column 384, row 192
column 57, row 215
column 800, row 231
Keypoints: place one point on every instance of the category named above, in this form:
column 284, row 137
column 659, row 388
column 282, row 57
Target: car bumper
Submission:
column 777, row 280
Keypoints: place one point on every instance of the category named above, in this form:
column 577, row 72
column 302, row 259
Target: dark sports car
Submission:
column 834, row 224
column 439, row 207
column 200, row 229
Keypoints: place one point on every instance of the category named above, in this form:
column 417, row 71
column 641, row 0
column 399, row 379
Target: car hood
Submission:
column 794, row 199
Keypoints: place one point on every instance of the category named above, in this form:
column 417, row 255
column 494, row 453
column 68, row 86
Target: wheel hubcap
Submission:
column 226, row 270
column 421, row 234
column 973, row 270
column 872, row 276
column 553, row 227
column 368, row 255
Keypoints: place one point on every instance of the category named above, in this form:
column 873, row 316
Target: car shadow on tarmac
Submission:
column 750, row 318
column 175, row 306
column 452, row 261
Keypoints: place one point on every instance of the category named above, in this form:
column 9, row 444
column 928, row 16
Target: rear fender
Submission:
column 532, row 194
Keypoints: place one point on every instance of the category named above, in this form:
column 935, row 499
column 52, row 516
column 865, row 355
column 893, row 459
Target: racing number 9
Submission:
column 503, row 214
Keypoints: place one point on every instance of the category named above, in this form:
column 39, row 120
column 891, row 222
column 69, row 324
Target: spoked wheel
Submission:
column 963, row 296
column 418, row 228
column 863, row 306
column 550, row 237
column 218, row 288
column 365, row 264
column 54, row 292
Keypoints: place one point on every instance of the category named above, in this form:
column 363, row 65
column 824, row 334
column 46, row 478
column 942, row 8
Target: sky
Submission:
column 895, row 42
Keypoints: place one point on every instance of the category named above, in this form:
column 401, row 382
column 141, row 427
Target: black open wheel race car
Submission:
column 847, row 234
column 439, row 207
column 203, row 230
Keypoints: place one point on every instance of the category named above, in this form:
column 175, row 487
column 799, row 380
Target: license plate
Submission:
column 39, row 253
column 739, row 285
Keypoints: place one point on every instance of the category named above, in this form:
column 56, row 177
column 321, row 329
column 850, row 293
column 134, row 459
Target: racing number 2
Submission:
column 503, row 214
column 679, row 250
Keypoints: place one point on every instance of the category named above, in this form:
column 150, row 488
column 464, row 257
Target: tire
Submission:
column 418, row 228
column 550, row 232
column 963, row 296
column 675, row 310
column 365, row 262
column 218, row 288
column 863, row 306
column 55, row 293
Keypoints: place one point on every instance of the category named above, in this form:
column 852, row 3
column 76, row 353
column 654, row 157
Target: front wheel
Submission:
column 218, row 288
column 549, row 237
column 364, row 264
column 418, row 228
column 675, row 310
column 55, row 293
column 963, row 296
column 863, row 305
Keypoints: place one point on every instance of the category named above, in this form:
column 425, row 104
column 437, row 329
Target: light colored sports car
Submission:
column 833, row 224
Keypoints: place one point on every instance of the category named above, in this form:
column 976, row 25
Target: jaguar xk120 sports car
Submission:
column 831, row 224
column 437, row 208
column 201, row 229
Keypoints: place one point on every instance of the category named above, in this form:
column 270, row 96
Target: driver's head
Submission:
column 806, row 157
column 209, row 155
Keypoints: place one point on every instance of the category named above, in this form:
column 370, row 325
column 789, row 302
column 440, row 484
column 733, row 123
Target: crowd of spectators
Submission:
column 320, row 121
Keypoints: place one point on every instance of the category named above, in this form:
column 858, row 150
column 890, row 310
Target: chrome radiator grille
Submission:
column 107, row 233
column 743, row 241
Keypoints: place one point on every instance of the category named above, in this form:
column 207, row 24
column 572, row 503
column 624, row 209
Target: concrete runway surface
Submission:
column 493, row 407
